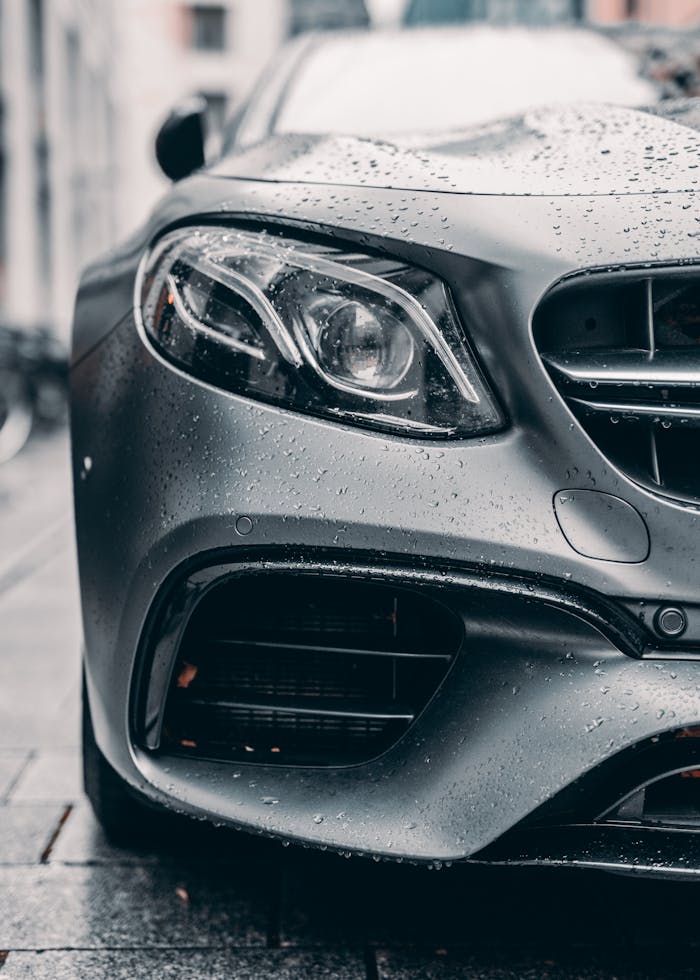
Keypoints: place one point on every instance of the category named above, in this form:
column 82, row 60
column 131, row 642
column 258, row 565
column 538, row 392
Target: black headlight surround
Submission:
column 294, row 381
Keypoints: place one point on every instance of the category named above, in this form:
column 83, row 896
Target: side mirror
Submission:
column 181, row 138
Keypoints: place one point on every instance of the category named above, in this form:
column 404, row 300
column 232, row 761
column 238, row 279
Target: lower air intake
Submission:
column 673, row 800
column 305, row 671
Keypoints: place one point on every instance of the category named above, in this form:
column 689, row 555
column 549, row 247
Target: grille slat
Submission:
column 624, row 352
column 305, row 670
column 299, row 706
column 639, row 411
column 314, row 648
column 623, row 368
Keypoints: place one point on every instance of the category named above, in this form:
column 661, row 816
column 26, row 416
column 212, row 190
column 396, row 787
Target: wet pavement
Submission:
column 210, row 903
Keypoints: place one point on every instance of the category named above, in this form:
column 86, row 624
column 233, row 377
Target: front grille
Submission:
column 623, row 349
column 305, row 670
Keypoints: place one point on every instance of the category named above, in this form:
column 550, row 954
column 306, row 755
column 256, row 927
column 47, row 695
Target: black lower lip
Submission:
column 625, row 850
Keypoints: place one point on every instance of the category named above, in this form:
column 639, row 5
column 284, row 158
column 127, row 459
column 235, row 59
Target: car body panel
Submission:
column 574, row 150
column 164, row 464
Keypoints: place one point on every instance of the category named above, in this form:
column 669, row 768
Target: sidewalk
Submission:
column 210, row 903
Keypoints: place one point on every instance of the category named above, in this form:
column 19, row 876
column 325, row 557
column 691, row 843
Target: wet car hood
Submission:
column 575, row 150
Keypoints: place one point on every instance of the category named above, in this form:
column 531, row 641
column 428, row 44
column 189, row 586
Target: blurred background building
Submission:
column 675, row 13
column 169, row 50
column 84, row 85
column 57, row 161
column 495, row 11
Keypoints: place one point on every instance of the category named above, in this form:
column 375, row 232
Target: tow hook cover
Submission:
column 602, row 526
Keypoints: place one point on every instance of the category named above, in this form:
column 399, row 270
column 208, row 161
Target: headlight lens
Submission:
column 348, row 336
column 361, row 346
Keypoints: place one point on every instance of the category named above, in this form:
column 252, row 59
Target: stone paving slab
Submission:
column 582, row 964
column 184, row 964
column 55, row 907
column 35, row 492
column 53, row 776
column 40, row 657
column 12, row 762
column 27, row 831
column 82, row 841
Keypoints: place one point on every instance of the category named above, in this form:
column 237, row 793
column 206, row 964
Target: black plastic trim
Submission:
column 643, row 851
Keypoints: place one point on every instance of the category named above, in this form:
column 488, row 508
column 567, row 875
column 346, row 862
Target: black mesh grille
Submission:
column 624, row 351
column 305, row 670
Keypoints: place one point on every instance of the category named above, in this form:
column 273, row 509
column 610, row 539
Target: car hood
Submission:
column 573, row 150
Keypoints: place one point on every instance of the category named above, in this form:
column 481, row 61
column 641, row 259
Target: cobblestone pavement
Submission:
column 208, row 903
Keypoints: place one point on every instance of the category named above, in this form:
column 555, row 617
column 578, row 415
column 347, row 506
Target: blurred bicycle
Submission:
column 33, row 385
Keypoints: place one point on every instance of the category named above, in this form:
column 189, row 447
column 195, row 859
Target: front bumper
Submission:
column 540, row 694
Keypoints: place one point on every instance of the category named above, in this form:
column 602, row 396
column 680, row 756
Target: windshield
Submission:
column 424, row 80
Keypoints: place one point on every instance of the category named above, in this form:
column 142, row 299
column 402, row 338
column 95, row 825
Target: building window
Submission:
column 208, row 28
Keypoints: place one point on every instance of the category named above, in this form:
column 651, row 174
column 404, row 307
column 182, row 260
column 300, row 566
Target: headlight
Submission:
column 347, row 336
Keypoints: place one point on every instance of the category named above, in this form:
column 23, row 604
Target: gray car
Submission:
column 385, row 432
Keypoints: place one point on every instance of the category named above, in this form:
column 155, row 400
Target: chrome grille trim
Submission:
column 667, row 369
column 623, row 350
column 635, row 411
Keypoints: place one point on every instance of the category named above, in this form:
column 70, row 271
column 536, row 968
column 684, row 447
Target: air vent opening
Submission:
column 623, row 349
column 306, row 670
column 669, row 795
column 575, row 316
column 672, row 802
